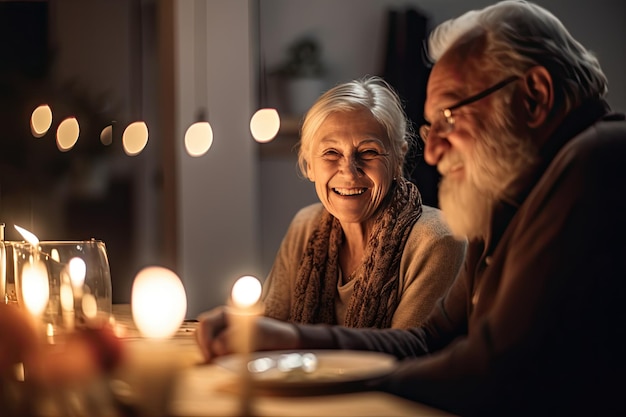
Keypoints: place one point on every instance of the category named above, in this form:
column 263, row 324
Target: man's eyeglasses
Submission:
column 445, row 120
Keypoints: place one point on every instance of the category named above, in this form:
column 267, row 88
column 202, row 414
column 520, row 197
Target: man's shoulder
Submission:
column 597, row 147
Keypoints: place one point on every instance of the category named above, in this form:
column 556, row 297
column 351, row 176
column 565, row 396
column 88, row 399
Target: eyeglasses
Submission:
column 445, row 121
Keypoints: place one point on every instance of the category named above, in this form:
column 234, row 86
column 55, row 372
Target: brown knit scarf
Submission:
column 375, row 295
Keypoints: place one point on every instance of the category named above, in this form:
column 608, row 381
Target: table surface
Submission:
column 204, row 390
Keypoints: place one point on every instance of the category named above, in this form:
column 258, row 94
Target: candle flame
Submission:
column 28, row 236
column 89, row 305
column 67, row 297
column 35, row 287
column 246, row 291
column 78, row 270
column 158, row 302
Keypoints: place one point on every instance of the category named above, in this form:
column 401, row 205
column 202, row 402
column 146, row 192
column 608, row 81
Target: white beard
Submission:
column 498, row 158
column 465, row 208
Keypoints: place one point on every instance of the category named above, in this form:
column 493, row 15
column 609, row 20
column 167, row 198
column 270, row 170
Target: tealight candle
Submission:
column 244, row 309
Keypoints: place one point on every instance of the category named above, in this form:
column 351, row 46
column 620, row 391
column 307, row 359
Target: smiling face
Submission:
column 351, row 166
column 484, row 152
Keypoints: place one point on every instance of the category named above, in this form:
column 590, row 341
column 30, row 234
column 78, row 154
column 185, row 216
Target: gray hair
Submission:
column 521, row 35
column 371, row 93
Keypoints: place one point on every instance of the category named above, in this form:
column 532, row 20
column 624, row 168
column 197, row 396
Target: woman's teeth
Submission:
column 349, row 191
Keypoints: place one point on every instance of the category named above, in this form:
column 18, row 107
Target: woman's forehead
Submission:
column 358, row 123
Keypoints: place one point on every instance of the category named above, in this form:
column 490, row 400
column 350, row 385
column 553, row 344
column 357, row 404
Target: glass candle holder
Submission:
column 77, row 276
column 7, row 269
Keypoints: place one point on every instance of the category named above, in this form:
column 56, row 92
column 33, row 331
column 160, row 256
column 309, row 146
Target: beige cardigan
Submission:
column 431, row 259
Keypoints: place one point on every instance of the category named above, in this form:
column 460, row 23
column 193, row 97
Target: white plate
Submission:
column 334, row 367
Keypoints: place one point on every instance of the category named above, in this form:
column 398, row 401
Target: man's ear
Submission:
column 538, row 96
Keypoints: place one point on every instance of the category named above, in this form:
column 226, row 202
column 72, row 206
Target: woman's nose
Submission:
column 353, row 165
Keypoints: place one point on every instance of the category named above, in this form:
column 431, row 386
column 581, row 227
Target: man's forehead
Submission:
column 462, row 63
column 447, row 82
column 455, row 77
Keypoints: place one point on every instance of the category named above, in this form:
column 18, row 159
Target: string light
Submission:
column 264, row 125
column 41, row 120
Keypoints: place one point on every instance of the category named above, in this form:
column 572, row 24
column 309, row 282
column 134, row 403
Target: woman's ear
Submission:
column 309, row 173
column 538, row 95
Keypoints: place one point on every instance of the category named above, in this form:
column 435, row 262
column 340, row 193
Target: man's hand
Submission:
column 215, row 333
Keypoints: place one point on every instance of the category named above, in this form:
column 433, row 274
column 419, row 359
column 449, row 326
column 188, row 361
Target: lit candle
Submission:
column 244, row 309
column 34, row 277
column 35, row 286
column 66, row 294
column 77, row 270
column 159, row 302
column 158, row 305
column 28, row 236
column 35, row 292
column 50, row 333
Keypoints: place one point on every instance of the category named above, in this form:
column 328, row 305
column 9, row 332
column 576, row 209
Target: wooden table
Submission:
column 199, row 393
column 205, row 390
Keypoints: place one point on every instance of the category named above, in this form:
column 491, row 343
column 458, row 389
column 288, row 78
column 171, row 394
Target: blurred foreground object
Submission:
column 64, row 378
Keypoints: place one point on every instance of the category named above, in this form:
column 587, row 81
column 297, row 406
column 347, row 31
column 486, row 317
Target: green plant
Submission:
column 304, row 60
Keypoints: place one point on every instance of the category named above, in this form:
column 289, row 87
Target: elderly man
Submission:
column 531, row 159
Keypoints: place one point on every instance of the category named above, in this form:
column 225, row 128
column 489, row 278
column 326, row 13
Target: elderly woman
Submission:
column 370, row 255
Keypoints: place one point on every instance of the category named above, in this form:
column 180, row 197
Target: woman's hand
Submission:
column 214, row 334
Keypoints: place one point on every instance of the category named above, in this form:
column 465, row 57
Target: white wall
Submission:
column 352, row 32
column 218, row 193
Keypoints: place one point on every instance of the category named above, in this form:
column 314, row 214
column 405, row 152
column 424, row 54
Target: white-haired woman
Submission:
column 370, row 254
